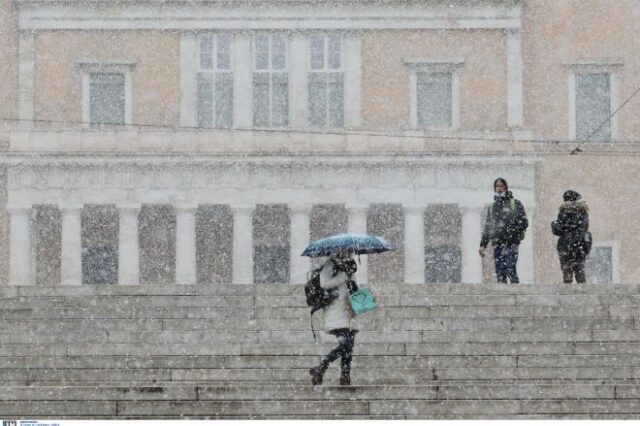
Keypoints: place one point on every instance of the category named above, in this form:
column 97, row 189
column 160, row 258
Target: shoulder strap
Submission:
column 512, row 203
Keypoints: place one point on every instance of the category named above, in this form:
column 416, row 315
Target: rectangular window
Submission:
column 599, row 265
column 107, row 98
column 593, row 106
column 271, row 243
column 443, row 236
column 434, row 99
column 215, row 82
column 326, row 81
column 270, row 81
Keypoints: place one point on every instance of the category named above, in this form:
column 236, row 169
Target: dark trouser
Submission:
column 571, row 267
column 344, row 349
column 506, row 258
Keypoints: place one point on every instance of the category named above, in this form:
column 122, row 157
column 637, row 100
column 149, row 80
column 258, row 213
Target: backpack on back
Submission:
column 316, row 296
column 512, row 205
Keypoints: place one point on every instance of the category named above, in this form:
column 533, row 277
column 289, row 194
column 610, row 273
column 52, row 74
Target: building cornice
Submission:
column 283, row 15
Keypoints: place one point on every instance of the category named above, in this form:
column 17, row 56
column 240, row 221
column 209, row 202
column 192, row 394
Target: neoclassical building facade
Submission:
column 181, row 142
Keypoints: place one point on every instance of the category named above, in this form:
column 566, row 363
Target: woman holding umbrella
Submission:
column 337, row 273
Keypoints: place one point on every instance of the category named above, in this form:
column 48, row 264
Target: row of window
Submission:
column 433, row 89
column 271, row 236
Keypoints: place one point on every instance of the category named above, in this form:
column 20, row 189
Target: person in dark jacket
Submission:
column 574, row 244
column 505, row 227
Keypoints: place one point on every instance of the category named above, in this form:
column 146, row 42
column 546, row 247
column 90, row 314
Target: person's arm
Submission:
column 486, row 233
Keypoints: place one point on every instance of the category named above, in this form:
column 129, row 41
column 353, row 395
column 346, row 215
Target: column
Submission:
column 471, row 234
column 242, row 81
column 71, row 253
column 298, row 80
column 514, row 78
column 414, row 256
column 20, row 246
column 358, row 225
column 26, row 55
column 299, row 265
column 242, row 244
column 188, row 80
column 186, row 244
column 128, row 249
column 526, row 253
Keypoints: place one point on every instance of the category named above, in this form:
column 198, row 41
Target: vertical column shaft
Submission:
column 242, row 244
column 128, row 249
column 186, row 245
column 414, row 255
column 71, row 254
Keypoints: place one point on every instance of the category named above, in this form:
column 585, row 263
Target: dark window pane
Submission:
column 261, row 100
column 100, row 231
column 318, row 99
column 206, row 48
column 317, row 52
column 214, row 244
column 599, row 266
column 223, row 51
column 262, row 51
column 205, row 100
column 224, row 100
column 157, row 236
column 387, row 221
column 593, row 106
column 433, row 101
column 271, row 239
column 443, row 264
column 106, row 98
column 280, row 102
column 336, row 100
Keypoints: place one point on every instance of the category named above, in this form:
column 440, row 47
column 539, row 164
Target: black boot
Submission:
column 317, row 374
column 345, row 380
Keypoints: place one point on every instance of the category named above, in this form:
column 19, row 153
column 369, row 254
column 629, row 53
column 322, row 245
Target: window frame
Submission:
column 89, row 68
column 270, row 71
column 575, row 68
column 452, row 66
column 214, row 71
column 326, row 71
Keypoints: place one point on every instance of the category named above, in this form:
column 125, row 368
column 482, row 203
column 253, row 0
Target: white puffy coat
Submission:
column 337, row 314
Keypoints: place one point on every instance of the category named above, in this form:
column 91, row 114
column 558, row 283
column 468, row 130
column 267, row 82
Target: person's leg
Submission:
column 578, row 270
column 567, row 270
column 500, row 263
column 347, row 356
column 512, row 263
column 317, row 373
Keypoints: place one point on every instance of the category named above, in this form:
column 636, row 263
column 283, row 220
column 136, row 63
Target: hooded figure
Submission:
column 337, row 273
column 574, row 244
column 505, row 226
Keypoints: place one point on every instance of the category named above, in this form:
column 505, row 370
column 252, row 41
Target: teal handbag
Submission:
column 362, row 301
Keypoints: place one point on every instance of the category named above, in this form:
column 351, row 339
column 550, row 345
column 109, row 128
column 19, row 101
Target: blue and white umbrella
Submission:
column 352, row 243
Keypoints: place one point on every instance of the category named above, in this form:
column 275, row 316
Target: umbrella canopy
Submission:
column 352, row 243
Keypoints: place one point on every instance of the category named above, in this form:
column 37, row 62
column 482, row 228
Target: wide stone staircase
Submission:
column 234, row 351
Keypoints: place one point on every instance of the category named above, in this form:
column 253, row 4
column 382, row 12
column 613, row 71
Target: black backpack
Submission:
column 316, row 296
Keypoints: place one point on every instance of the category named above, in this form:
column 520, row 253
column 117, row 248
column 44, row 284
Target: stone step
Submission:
column 303, row 361
column 363, row 375
column 244, row 337
column 438, row 349
column 292, row 392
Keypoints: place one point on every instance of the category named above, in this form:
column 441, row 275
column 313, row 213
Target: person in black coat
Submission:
column 574, row 244
column 505, row 227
